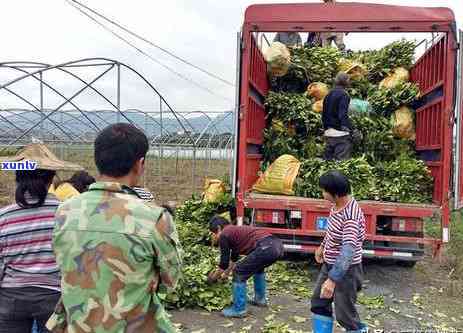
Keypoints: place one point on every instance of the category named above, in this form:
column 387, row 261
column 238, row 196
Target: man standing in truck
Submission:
column 340, row 278
column 324, row 39
column 290, row 39
column 336, row 123
column 328, row 37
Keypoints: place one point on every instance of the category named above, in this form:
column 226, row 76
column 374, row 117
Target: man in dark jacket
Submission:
column 261, row 249
column 336, row 123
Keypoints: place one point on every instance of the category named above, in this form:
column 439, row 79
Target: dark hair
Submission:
column 216, row 222
column 81, row 180
column 33, row 184
column 118, row 147
column 335, row 183
column 342, row 80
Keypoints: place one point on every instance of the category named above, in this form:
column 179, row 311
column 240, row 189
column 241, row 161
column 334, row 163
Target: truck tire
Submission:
column 406, row 263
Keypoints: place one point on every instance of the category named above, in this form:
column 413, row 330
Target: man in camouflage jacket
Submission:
column 115, row 251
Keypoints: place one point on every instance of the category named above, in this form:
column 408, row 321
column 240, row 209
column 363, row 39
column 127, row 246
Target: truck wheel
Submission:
column 406, row 263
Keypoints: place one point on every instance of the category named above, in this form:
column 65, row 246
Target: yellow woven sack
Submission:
column 318, row 90
column 402, row 123
column 317, row 106
column 278, row 59
column 64, row 191
column 213, row 190
column 344, row 64
column 397, row 75
column 355, row 70
column 279, row 177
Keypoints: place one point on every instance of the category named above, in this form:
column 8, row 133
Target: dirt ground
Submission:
column 394, row 299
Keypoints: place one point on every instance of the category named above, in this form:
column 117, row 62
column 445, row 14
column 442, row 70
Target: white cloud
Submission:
column 204, row 32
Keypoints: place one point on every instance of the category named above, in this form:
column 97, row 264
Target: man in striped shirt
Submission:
column 340, row 278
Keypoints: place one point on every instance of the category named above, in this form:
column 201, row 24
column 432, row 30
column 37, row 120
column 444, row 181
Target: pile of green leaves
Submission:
column 304, row 140
column 360, row 173
column 384, row 101
column 289, row 277
column 404, row 180
column 315, row 64
column 379, row 143
column 289, row 107
column 360, row 89
column 380, row 63
column 200, row 257
column 279, row 143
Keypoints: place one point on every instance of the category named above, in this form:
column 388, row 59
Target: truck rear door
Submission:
column 251, row 116
column 458, row 166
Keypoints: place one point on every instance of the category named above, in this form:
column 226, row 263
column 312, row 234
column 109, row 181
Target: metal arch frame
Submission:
column 76, row 63
column 66, row 100
column 44, row 65
column 31, row 104
column 201, row 138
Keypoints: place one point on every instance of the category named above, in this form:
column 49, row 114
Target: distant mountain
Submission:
column 78, row 123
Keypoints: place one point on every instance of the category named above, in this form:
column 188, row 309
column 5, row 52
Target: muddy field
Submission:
column 394, row 299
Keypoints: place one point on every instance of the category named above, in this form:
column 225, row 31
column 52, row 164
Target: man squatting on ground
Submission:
column 261, row 248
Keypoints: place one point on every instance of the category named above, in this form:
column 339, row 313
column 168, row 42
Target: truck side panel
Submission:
column 254, row 87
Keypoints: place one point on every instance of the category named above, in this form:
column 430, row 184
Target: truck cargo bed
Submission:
column 305, row 201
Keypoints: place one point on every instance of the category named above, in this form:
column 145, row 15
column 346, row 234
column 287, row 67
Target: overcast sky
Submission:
column 203, row 32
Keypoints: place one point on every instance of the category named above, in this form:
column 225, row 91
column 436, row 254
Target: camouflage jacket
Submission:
column 115, row 252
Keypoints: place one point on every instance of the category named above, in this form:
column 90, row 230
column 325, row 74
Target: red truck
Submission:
column 394, row 230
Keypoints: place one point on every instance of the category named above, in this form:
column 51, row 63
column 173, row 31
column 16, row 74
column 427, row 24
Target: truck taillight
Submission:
column 270, row 216
column 407, row 224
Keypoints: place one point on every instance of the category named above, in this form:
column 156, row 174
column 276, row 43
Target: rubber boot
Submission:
column 322, row 324
column 362, row 329
column 35, row 328
column 260, row 288
column 238, row 308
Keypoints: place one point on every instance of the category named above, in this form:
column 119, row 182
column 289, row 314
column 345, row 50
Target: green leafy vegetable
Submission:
column 384, row 101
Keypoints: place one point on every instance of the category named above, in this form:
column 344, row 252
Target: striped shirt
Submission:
column 345, row 226
column 26, row 254
column 143, row 193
